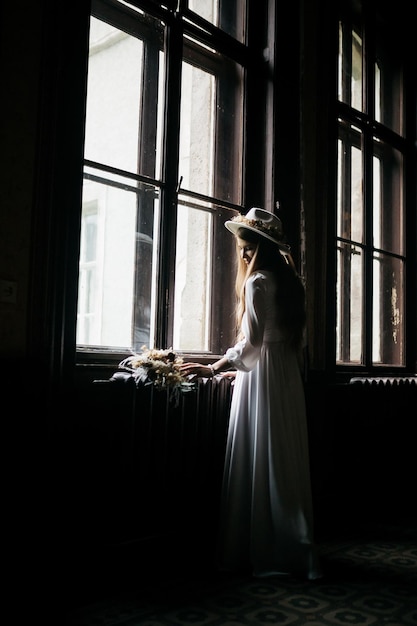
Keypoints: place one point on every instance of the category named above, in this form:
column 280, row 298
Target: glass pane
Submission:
column 193, row 279
column 211, row 128
column 229, row 16
column 388, row 311
column 388, row 216
column 350, row 79
column 389, row 108
column 115, row 236
column 114, row 119
column 350, row 210
column 349, row 296
column 146, row 264
column 197, row 130
column 113, row 91
column 88, row 279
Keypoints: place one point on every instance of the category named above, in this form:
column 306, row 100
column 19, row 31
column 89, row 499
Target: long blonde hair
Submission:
column 290, row 294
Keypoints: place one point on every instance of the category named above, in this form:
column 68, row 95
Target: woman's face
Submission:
column 246, row 249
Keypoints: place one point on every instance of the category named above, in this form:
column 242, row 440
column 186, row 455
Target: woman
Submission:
column 266, row 523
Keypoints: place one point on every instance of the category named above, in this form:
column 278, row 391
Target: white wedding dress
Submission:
column 266, row 521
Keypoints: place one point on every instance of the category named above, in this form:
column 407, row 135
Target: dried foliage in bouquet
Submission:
column 159, row 368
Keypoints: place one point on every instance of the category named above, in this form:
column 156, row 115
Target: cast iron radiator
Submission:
column 157, row 463
column 380, row 429
column 387, row 381
column 362, row 447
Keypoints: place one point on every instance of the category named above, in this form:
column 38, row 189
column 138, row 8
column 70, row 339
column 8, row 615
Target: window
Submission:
column 371, row 217
column 163, row 171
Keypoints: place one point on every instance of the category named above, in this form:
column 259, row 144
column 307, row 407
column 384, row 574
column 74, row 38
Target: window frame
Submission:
column 223, row 253
column 371, row 131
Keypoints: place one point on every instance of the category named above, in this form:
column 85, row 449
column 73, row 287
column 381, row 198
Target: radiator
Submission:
column 387, row 399
column 140, row 466
column 388, row 381
column 162, row 461
column 362, row 447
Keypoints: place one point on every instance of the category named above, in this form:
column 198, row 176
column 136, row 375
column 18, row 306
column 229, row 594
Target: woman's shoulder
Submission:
column 260, row 279
column 260, row 276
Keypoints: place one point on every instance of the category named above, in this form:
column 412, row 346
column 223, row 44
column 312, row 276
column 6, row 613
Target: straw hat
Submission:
column 262, row 222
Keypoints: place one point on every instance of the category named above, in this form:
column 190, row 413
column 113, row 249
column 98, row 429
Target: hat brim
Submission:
column 234, row 227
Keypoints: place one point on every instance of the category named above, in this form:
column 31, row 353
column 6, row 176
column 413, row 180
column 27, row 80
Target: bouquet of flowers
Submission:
column 159, row 368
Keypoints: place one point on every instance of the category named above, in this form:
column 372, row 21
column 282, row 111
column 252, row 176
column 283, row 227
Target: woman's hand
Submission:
column 196, row 370
column 231, row 374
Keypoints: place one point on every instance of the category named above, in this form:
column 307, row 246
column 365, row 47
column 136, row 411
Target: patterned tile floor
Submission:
column 371, row 579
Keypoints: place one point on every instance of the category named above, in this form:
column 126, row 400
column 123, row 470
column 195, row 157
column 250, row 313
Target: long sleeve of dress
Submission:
column 245, row 354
